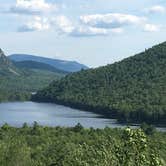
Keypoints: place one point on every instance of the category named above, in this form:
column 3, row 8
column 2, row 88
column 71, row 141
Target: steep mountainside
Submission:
column 69, row 66
column 17, row 81
column 6, row 66
column 133, row 90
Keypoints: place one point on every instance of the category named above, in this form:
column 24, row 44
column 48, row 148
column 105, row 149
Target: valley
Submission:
column 20, row 77
column 113, row 114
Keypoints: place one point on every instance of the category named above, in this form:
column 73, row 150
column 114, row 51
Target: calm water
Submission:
column 46, row 114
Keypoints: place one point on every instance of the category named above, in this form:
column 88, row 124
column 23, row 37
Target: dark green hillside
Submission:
column 133, row 90
column 17, row 83
column 37, row 65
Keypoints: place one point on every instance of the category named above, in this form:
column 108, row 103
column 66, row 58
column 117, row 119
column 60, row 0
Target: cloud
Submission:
column 156, row 9
column 113, row 20
column 88, row 31
column 151, row 28
column 62, row 24
column 32, row 7
column 84, row 31
column 65, row 26
column 36, row 24
column 89, row 25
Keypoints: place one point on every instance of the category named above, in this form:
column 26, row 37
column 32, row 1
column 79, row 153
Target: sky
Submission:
column 92, row 32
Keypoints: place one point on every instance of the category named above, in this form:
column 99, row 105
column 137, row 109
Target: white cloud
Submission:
column 62, row 24
column 156, row 9
column 36, row 24
column 113, row 20
column 151, row 28
column 65, row 26
column 32, row 7
column 90, row 25
column 88, row 31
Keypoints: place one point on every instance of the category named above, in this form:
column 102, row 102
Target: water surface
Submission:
column 47, row 114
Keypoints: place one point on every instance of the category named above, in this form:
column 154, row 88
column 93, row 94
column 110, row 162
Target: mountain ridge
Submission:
column 18, row 80
column 132, row 90
column 69, row 66
column 37, row 65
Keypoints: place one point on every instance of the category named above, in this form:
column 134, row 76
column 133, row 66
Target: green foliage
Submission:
column 46, row 146
column 148, row 129
column 134, row 149
column 78, row 127
column 132, row 90
column 20, row 87
column 37, row 65
column 5, row 127
column 17, row 83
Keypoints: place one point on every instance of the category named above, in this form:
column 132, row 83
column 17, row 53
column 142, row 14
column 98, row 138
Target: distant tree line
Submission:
column 16, row 88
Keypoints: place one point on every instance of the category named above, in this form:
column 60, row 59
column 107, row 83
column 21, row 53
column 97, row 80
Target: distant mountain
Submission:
column 19, row 79
column 37, row 65
column 132, row 90
column 69, row 66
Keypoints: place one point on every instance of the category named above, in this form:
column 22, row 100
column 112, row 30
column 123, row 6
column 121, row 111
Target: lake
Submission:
column 47, row 114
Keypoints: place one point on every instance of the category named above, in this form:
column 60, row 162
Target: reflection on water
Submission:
column 46, row 114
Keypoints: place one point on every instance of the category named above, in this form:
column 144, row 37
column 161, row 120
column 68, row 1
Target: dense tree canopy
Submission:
column 132, row 90
column 44, row 146
column 18, row 80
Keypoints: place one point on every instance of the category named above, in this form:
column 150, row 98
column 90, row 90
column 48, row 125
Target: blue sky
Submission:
column 93, row 32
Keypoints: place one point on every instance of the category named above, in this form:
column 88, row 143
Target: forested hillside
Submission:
column 133, row 90
column 18, row 80
column 37, row 65
column 46, row 146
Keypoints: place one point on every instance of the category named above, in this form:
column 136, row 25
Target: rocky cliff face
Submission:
column 4, row 60
column 6, row 66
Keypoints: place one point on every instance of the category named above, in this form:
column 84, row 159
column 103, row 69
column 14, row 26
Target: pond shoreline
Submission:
column 56, row 111
column 103, row 112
